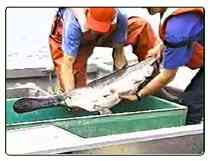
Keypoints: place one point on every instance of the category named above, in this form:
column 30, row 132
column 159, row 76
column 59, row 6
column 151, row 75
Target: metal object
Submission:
column 25, row 90
column 184, row 140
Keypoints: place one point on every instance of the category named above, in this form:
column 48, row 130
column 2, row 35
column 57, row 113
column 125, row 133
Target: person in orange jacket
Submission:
column 182, row 34
column 76, row 31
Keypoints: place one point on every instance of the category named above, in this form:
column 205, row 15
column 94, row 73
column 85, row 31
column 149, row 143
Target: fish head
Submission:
column 106, row 101
column 91, row 99
column 81, row 97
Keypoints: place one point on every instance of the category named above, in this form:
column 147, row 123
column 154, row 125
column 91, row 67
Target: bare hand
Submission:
column 129, row 97
column 156, row 52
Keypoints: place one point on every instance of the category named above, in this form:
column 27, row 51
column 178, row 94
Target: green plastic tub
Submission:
column 149, row 113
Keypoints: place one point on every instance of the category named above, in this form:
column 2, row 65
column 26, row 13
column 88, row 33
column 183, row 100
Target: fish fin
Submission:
column 105, row 111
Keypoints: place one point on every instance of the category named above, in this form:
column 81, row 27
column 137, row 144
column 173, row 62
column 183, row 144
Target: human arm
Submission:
column 119, row 39
column 161, row 80
column 119, row 58
column 70, row 44
column 67, row 75
column 157, row 50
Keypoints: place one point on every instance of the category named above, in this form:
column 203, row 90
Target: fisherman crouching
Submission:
column 76, row 31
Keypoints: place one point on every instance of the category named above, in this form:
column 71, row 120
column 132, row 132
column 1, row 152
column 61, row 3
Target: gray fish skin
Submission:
column 103, row 93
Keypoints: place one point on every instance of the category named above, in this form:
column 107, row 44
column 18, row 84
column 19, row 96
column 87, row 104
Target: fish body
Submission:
column 100, row 94
column 103, row 93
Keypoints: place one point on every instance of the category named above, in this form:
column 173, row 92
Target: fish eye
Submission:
column 105, row 95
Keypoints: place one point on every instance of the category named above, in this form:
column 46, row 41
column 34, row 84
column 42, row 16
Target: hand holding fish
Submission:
column 156, row 51
column 130, row 97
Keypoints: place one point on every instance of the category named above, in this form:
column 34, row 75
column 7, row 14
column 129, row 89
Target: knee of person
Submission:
column 194, row 115
column 193, row 119
column 193, row 104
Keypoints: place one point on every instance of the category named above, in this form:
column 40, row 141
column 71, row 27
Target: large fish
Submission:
column 100, row 94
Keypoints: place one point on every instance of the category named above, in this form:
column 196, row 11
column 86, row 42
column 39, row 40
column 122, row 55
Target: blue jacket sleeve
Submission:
column 71, row 34
column 120, row 36
column 179, row 29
